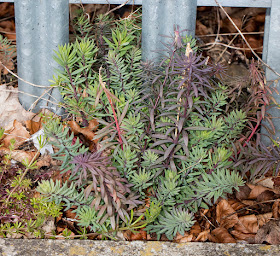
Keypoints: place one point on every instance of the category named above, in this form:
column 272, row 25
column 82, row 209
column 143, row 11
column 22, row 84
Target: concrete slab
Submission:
column 43, row 247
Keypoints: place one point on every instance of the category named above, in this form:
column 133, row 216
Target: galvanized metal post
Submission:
column 40, row 27
column 271, row 55
column 159, row 18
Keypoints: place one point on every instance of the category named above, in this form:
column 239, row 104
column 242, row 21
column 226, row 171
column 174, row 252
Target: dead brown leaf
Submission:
column 254, row 42
column 59, row 229
column 243, row 193
column 70, row 214
column 252, row 223
column 212, row 238
column 203, row 236
column 276, row 209
column 56, row 175
column 6, row 9
column 241, row 228
column 201, row 29
column 47, row 161
column 14, row 234
column 226, row 215
column 221, row 235
column 228, row 26
column 33, row 126
column 127, row 234
column 11, row 109
column 266, row 182
column 29, row 235
column 19, row 155
column 257, row 190
column 276, row 181
column 264, row 218
column 248, row 202
column 236, row 205
column 242, row 236
column 195, row 229
column 8, row 27
column 207, row 225
column 269, row 233
column 141, row 235
column 86, row 131
column 204, row 211
column 18, row 133
column 265, row 196
column 187, row 237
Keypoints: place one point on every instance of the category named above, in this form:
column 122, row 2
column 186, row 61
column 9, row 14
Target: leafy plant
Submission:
column 95, row 218
column 22, row 213
column 254, row 161
column 208, row 189
column 112, row 194
column 76, row 59
column 167, row 131
column 62, row 138
column 169, row 223
column 69, row 197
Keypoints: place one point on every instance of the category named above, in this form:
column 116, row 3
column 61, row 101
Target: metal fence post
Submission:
column 40, row 27
column 159, row 18
column 271, row 55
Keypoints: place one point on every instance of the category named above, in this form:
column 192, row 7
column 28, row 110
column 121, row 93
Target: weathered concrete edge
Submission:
column 42, row 247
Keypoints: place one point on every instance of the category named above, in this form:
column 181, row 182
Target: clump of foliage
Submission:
column 255, row 158
column 166, row 131
column 112, row 198
column 171, row 222
column 21, row 212
column 97, row 212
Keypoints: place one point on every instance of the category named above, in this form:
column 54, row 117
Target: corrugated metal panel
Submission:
column 136, row 2
column 272, row 58
column 40, row 26
column 232, row 3
column 236, row 3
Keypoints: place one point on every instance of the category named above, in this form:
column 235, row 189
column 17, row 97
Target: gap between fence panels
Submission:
column 227, row 3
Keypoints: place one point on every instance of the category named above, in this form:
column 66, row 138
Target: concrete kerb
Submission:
column 44, row 247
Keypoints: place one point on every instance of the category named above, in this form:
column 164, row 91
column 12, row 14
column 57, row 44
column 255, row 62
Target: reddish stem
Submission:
column 112, row 106
column 251, row 135
column 116, row 119
column 117, row 123
column 253, row 132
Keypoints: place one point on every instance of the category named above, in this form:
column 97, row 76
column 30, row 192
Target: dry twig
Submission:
column 243, row 37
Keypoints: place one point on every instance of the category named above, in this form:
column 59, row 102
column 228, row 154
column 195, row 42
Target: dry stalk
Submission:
column 243, row 37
